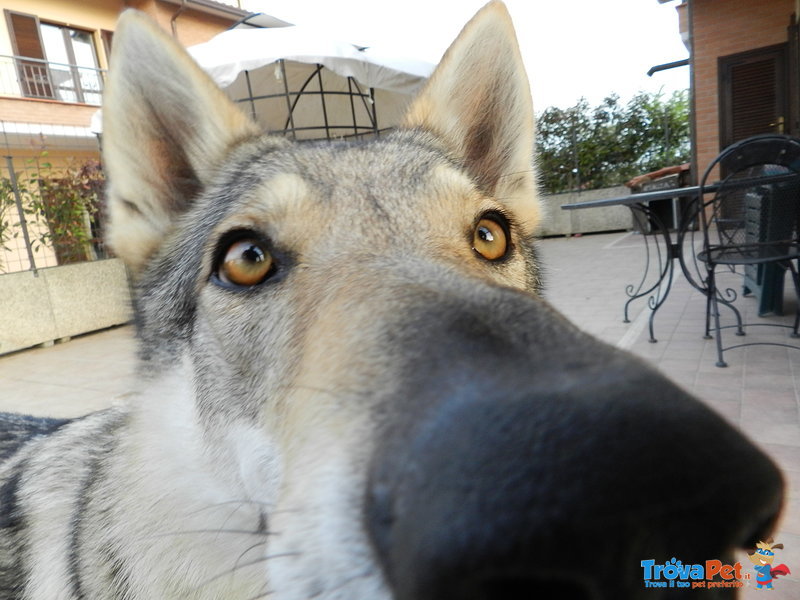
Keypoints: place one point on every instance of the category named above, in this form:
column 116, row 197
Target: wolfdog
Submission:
column 350, row 387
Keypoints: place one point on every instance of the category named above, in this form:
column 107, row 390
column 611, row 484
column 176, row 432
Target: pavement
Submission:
column 585, row 278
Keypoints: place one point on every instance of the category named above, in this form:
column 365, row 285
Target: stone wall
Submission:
column 61, row 302
column 590, row 220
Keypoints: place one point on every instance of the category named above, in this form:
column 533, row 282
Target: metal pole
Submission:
column 289, row 105
column 352, row 107
column 322, row 98
column 18, row 198
column 250, row 96
column 374, row 113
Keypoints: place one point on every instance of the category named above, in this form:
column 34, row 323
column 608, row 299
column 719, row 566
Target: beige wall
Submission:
column 192, row 27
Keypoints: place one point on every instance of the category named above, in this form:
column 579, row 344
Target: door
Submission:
column 753, row 94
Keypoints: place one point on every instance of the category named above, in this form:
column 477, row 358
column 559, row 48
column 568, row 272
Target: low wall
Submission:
column 60, row 302
column 590, row 220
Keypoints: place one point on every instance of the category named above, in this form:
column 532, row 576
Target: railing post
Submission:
column 22, row 221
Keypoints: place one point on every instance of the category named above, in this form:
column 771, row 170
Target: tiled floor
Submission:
column 585, row 279
column 69, row 379
column 759, row 391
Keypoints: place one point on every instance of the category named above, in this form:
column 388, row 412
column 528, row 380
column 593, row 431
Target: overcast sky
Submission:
column 572, row 48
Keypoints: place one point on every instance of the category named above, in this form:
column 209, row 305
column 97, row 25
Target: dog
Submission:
column 350, row 387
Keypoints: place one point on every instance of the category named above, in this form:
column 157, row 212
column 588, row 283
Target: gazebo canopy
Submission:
column 308, row 85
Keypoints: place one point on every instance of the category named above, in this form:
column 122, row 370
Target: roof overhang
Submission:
column 210, row 7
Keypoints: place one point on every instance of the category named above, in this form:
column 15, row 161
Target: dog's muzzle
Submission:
column 527, row 460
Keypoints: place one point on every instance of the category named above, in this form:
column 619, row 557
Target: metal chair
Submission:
column 749, row 218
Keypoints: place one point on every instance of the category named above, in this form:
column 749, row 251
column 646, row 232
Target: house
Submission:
column 744, row 60
column 53, row 58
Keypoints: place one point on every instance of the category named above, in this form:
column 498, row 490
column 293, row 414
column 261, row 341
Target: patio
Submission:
column 585, row 278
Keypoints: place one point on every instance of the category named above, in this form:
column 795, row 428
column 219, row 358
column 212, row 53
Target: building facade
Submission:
column 744, row 61
column 54, row 55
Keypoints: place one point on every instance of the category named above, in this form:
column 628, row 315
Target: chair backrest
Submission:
column 757, row 197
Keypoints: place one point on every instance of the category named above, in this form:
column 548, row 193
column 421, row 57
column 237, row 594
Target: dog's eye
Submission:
column 490, row 239
column 245, row 263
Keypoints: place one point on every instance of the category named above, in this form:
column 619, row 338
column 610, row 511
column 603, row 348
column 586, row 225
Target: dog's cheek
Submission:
column 260, row 463
column 245, row 352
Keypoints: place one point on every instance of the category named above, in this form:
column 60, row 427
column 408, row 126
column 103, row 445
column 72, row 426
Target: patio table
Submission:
column 667, row 246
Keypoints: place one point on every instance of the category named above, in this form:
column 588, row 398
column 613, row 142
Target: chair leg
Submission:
column 739, row 324
column 712, row 295
column 796, row 280
column 736, row 313
column 707, row 335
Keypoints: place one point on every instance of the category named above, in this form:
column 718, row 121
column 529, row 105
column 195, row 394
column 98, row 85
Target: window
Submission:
column 55, row 61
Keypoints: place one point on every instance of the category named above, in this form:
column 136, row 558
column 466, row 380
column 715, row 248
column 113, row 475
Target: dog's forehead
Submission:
column 391, row 171
column 367, row 188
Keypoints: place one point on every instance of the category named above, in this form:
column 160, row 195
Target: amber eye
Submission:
column 490, row 239
column 246, row 262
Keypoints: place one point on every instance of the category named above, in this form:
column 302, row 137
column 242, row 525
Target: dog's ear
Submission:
column 166, row 126
column 478, row 101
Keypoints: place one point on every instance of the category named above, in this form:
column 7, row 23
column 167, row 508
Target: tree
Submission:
column 585, row 147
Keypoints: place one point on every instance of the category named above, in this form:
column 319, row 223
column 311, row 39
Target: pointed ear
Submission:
column 478, row 102
column 166, row 127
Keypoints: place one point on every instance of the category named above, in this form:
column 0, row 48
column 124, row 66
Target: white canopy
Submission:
column 330, row 102
column 229, row 53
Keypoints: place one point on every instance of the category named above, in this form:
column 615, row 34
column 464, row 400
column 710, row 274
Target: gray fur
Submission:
column 389, row 415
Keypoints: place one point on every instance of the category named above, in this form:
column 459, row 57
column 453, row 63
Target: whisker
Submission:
column 242, row 555
column 261, row 595
column 243, row 502
column 214, row 531
column 230, row 516
column 252, row 563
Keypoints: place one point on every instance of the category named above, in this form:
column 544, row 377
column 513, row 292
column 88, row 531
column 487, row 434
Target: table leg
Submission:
column 660, row 251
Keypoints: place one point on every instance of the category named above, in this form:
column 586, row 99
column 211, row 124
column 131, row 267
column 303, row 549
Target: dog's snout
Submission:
column 559, row 473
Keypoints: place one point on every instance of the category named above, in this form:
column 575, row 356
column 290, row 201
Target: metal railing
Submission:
column 24, row 77
column 51, row 208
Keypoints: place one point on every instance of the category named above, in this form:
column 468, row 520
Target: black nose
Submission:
column 552, row 471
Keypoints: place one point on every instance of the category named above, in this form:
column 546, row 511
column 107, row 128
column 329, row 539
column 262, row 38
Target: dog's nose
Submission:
column 515, row 475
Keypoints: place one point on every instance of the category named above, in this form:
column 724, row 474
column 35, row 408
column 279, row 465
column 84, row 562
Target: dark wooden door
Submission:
column 753, row 94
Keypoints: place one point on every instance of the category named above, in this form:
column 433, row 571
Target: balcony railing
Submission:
column 34, row 78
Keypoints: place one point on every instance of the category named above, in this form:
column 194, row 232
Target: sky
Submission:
column 571, row 48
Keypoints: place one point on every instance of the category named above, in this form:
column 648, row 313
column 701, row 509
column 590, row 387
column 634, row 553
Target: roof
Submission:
column 228, row 9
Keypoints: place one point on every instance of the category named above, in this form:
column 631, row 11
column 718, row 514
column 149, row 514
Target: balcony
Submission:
column 24, row 77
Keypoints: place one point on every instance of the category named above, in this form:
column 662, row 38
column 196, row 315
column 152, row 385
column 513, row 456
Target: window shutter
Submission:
column 753, row 98
column 34, row 77
column 25, row 35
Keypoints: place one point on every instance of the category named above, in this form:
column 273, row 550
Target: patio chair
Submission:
column 749, row 219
